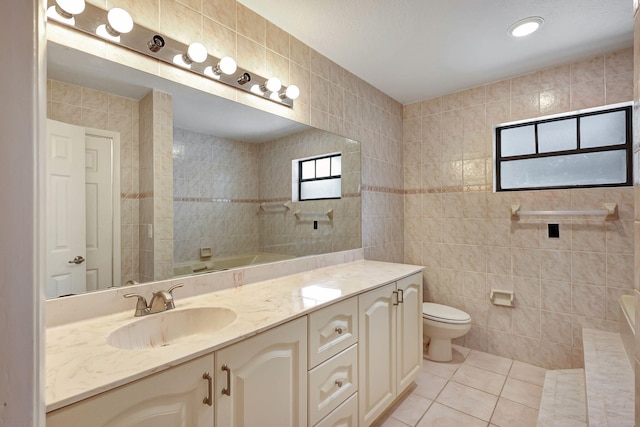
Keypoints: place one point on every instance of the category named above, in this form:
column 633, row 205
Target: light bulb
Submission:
column 272, row 85
column 256, row 89
column 228, row 65
column 292, row 92
column 274, row 96
column 208, row 71
column 53, row 13
column 196, row 53
column 68, row 8
column 179, row 60
column 104, row 33
column 118, row 22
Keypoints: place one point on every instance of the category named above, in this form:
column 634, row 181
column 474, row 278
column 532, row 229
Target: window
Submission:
column 318, row 177
column 586, row 149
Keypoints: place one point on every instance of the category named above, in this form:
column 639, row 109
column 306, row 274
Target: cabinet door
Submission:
column 262, row 381
column 173, row 398
column 409, row 330
column 377, row 353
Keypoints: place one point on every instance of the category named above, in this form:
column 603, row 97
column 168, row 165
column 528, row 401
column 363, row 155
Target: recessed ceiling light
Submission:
column 525, row 26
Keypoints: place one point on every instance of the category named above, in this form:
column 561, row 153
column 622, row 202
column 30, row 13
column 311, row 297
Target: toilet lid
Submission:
column 444, row 313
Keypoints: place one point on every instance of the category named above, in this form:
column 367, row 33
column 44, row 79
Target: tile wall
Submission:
column 156, row 186
column 215, row 189
column 285, row 234
column 82, row 106
column 462, row 231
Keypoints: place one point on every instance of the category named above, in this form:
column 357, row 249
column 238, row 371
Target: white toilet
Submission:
column 441, row 324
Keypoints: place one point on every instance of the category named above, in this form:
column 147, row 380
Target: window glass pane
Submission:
column 323, row 167
column 323, row 189
column 604, row 167
column 603, row 129
column 336, row 166
column 309, row 169
column 518, row 141
column 558, row 135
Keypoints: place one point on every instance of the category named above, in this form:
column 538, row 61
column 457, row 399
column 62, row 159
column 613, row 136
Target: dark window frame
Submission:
column 315, row 178
column 627, row 146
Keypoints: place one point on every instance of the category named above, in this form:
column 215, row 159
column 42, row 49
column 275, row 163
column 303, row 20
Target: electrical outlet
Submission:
column 554, row 231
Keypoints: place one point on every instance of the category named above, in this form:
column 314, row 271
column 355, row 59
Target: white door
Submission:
column 262, row 381
column 99, row 211
column 65, row 224
column 377, row 357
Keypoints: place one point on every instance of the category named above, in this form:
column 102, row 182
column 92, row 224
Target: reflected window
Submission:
column 318, row 178
column 588, row 149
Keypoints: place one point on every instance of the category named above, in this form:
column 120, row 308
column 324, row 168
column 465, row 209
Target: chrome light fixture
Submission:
column 118, row 22
column 110, row 25
column 525, row 26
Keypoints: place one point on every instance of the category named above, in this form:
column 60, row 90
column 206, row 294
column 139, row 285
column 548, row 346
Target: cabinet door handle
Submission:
column 227, row 389
column 400, row 296
column 395, row 294
column 209, row 399
column 338, row 330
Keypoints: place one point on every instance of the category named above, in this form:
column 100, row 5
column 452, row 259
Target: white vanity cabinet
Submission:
column 390, row 341
column 262, row 381
column 172, row 398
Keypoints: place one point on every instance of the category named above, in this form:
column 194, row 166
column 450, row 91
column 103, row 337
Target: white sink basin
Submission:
column 169, row 327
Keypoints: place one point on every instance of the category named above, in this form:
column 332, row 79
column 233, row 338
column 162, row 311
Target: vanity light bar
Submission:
column 166, row 49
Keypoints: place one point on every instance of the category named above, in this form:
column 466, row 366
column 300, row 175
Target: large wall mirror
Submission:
column 148, row 179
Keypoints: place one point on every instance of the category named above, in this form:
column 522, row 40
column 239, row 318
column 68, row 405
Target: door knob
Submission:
column 77, row 260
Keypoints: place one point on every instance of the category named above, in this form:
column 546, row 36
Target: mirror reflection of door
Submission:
column 83, row 232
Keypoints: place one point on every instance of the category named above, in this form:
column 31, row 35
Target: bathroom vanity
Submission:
column 326, row 347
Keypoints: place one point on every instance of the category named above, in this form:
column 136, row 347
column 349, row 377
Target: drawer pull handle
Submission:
column 209, row 399
column 338, row 330
column 227, row 389
column 339, row 383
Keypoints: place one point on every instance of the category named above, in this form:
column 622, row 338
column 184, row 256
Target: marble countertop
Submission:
column 80, row 363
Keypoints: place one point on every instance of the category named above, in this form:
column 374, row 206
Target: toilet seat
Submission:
column 444, row 314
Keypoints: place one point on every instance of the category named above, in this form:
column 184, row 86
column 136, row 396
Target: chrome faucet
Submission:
column 161, row 301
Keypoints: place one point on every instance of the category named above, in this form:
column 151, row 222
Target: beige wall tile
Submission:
column 222, row 11
column 180, row 22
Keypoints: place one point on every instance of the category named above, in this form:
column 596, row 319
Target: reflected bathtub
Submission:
column 226, row 263
column 627, row 324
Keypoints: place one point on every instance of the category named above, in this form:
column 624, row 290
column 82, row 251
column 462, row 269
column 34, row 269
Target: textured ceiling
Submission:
column 418, row 49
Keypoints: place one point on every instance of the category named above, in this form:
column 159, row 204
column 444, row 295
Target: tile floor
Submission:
column 475, row 389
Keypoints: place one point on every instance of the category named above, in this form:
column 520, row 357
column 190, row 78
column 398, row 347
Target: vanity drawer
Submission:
column 345, row 415
column 332, row 382
column 332, row 329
